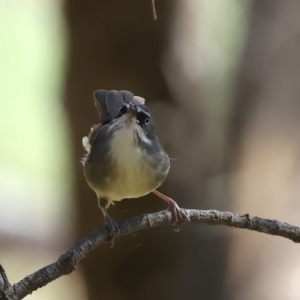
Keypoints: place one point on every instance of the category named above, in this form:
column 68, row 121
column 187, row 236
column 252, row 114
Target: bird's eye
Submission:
column 143, row 117
column 123, row 109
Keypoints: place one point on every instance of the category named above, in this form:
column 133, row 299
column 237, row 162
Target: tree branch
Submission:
column 67, row 262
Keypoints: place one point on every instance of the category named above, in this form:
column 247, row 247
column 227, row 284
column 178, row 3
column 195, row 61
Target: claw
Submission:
column 112, row 228
column 178, row 214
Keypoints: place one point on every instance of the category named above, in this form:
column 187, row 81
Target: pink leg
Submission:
column 111, row 225
column 179, row 216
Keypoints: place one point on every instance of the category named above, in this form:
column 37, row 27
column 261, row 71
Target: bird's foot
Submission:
column 112, row 228
column 178, row 214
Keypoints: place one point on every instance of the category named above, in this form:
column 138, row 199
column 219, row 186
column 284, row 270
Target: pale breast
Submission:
column 133, row 176
column 120, row 167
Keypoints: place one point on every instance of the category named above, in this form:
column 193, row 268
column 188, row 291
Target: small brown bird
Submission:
column 124, row 156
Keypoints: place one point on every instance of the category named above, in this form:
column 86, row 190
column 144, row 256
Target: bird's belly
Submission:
column 127, row 171
column 132, row 182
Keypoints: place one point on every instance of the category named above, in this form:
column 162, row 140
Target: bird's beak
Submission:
column 132, row 110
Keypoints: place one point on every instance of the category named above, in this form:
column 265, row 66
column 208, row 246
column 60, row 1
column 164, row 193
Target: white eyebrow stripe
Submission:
column 141, row 110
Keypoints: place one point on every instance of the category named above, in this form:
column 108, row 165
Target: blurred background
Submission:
column 222, row 80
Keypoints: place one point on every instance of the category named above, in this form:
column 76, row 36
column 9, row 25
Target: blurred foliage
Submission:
column 35, row 177
column 32, row 125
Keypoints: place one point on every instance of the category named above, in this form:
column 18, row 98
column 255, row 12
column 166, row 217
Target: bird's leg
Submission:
column 179, row 216
column 110, row 224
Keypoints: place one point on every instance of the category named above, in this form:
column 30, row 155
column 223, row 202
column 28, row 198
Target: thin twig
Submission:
column 154, row 10
column 67, row 262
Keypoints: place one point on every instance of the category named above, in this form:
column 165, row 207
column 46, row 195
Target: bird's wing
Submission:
column 127, row 96
column 113, row 102
column 100, row 103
